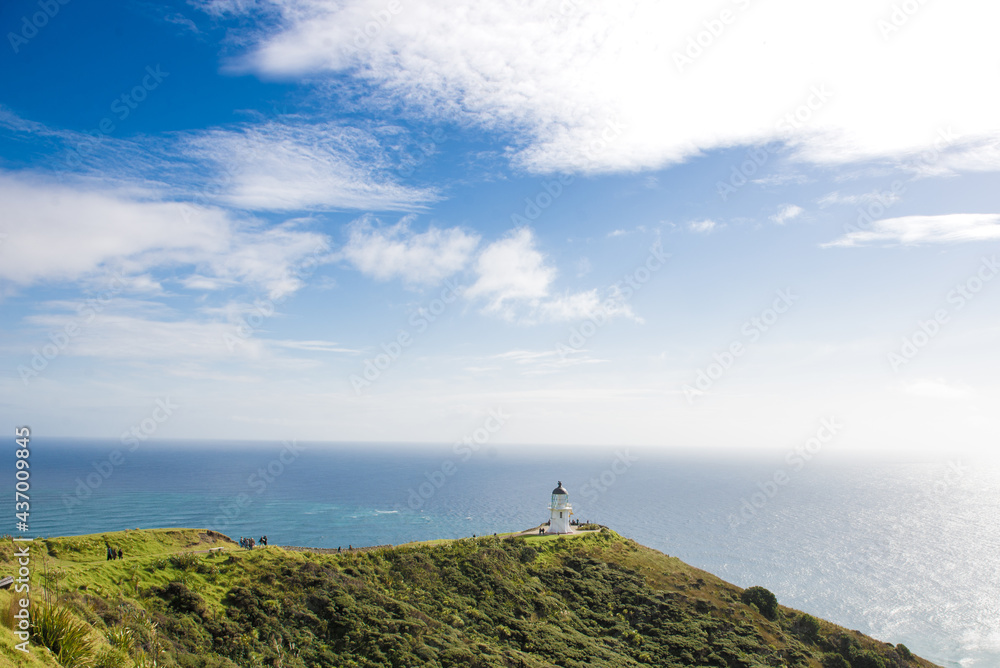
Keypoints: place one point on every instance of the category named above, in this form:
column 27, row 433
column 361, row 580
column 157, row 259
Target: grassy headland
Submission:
column 593, row 599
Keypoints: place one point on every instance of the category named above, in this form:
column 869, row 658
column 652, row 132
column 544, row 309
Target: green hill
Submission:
column 594, row 599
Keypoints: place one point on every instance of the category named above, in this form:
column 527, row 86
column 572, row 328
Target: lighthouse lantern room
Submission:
column 560, row 510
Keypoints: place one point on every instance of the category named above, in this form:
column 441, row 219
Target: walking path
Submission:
column 534, row 532
column 235, row 547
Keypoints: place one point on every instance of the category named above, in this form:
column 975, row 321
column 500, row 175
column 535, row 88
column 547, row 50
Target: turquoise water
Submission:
column 906, row 552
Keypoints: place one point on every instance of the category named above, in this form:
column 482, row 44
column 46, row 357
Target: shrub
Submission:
column 110, row 657
column 193, row 661
column 144, row 661
column 834, row 660
column 121, row 637
column 180, row 598
column 904, row 652
column 67, row 638
column 185, row 561
column 867, row 659
column 763, row 599
column 456, row 656
column 157, row 564
column 807, row 627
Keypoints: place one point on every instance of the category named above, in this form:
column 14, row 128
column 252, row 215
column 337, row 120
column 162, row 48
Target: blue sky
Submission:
column 710, row 226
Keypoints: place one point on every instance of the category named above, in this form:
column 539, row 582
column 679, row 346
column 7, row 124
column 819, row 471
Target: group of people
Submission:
column 250, row 543
column 575, row 523
column 115, row 554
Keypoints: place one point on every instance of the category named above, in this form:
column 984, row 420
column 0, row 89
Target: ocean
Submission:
column 908, row 552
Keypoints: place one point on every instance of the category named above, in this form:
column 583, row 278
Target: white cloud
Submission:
column 702, row 226
column 885, row 197
column 144, row 332
column 425, row 258
column 58, row 232
column 516, row 283
column 915, row 230
column 538, row 362
column 584, row 305
column 287, row 167
column 786, row 212
column 315, row 346
column 836, row 197
column 275, row 165
column 199, row 282
column 121, row 332
column 575, row 81
column 511, row 271
column 278, row 259
column 780, row 179
column 70, row 232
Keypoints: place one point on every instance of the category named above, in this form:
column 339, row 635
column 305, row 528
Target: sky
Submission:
column 707, row 225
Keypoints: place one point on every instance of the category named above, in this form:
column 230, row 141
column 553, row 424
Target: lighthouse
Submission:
column 560, row 510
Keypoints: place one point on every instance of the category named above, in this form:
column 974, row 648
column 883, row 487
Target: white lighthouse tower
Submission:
column 560, row 510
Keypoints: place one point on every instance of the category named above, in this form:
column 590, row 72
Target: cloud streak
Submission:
column 287, row 164
column 292, row 167
column 920, row 230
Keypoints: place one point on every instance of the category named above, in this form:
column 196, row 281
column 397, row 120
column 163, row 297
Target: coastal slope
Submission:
column 193, row 599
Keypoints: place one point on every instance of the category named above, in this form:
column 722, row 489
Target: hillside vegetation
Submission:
column 593, row 599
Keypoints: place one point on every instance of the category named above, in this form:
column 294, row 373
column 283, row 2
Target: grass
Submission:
column 597, row 598
column 139, row 543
